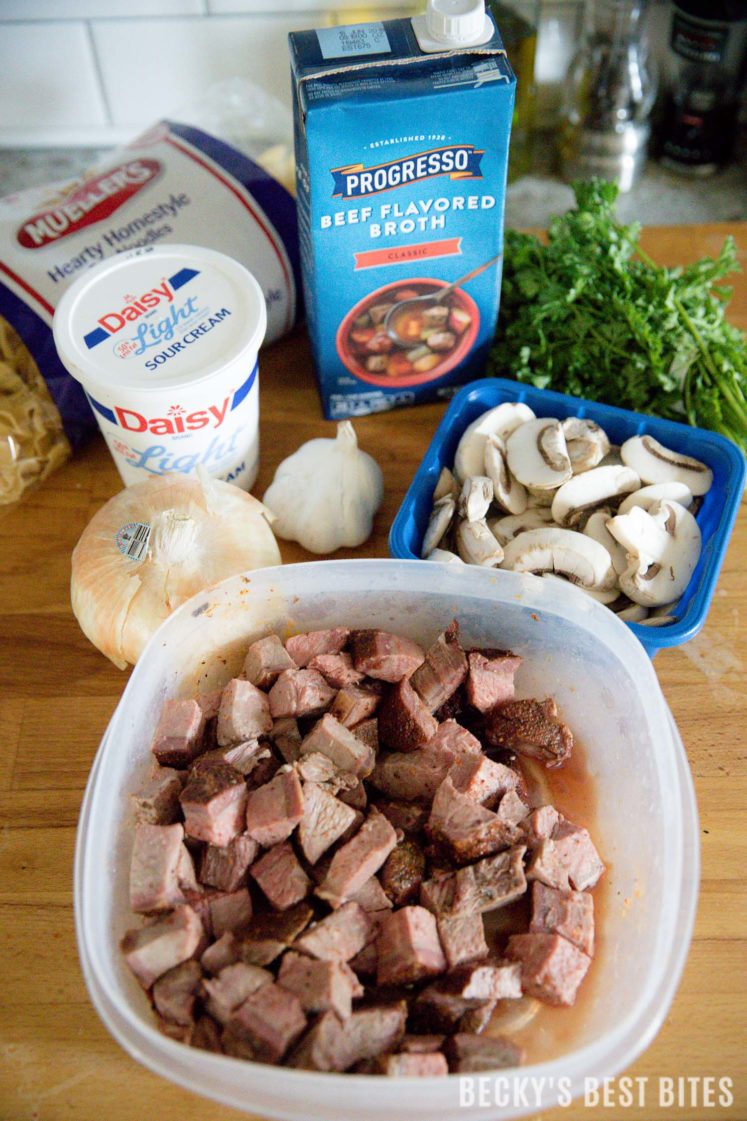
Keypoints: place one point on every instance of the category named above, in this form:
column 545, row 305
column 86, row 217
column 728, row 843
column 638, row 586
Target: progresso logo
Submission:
column 458, row 161
column 135, row 307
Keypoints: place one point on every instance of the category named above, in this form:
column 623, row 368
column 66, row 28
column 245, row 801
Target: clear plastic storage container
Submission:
column 646, row 821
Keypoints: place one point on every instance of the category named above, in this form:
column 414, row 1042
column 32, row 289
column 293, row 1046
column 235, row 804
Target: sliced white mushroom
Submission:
column 446, row 485
column 537, row 454
column 587, row 443
column 508, row 493
column 591, row 489
column 663, row 544
column 596, row 528
column 500, row 421
column 606, row 596
column 444, row 556
column 646, row 496
column 657, row 464
column 570, row 554
column 440, row 520
column 475, row 498
column 477, row 545
column 635, row 613
column 659, row 621
column 539, row 498
column 612, row 458
column 505, row 529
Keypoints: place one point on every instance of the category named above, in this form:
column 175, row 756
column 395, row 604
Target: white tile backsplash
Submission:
column 48, row 77
column 97, row 9
column 176, row 60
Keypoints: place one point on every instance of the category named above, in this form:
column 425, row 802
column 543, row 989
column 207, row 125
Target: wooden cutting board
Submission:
column 57, row 694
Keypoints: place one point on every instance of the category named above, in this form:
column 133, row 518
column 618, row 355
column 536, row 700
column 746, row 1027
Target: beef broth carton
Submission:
column 402, row 131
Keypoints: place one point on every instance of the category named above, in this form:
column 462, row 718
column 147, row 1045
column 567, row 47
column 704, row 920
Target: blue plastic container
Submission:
column 716, row 516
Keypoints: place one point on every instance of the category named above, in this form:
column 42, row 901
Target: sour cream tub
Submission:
column 164, row 342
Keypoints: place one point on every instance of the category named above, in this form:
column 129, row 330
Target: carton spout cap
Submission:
column 458, row 23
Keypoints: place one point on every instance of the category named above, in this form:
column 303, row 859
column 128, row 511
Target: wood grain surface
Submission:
column 57, row 693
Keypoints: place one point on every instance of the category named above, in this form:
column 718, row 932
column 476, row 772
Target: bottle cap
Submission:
column 449, row 24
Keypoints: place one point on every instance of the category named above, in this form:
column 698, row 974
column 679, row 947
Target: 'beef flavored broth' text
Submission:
column 402, row 132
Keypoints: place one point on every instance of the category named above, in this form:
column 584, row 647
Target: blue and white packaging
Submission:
column 401, row 153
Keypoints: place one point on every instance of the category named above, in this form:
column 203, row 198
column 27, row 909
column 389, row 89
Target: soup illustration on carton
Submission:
column 402, row 130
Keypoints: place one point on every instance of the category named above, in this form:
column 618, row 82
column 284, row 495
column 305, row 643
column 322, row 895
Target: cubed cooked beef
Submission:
column 274, row 810
column 152, row 950
column 175, row 992
column 474, row 1054
column 405, row 723
column 406, row 816
column 230, row 910
column 347, row 752
column 156, row 802
column 482, row 779
column 231, row 987
column 466, row 828
column 214, row 804
column 286, row 737
column 566, row 859
column 552, row 968
column 408, row 946
column 421, row 1044
column 354, row 704
column 265, row 660
column 491, row 680
column 452, row 737
column 339, row 936
column 323, row 1047
column 429, row 1064
column 299, row 692
column 225, row 868
column 325, row 819
column 268, row 1023
column 372, row 896
column 462, row 938
column 411, row 776
column 154, row 868
column 244, row 713
column 530, row 728
column 320, row 986
column 403, row 872
column 368, row 732
column 442, row 672
column 269, row 935
column 384, row 656
column 358, row 859
column 337, row 668
column 570, row 913
column 304, row 647
column 281, row 877
column 491, row 882
column 220, row 954
column 178, row 736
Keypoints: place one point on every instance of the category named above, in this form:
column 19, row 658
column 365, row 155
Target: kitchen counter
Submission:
column 58, row 693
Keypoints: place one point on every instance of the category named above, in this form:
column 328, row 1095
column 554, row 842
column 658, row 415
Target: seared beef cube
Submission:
column 512, row 809
column 339, row 936
column 300, row 692
column 315, row 767
column 473, row 1054
column 206, row 1035
column 210, row 703
column 225, row 868
column 265, row 661
column 465, row 827
column 338, row 669
column 443, row 1005
column 475, row 1020
column 385, row 656
column 408, row 947
column 233, row 985
column 182, row 1033
column 462, row 938
column 274, row 810
column 304, row 647
column 408, row 818
column 486, row 981
column 353, row 704
column 355, row 796
column 157, row 800
column 422, row 1044
column 286, row 737
column 567, row 859
column 270, row 1021
column 214, row 804
column 570, row 913
column 319, row 985
column 368, row 732
column 154, row 868
column 358, row 859
column 372, row 897
column 244, row 713
column 364, row 962
column 178, row 736
column 412, row 776
column 452, row 737
column 429, row 1064
column 175, row 993
column 482, row 779
column 492, row 882
column 442, row 672
column 439, row 894
column 264, row 772
column 403, row 873
column 373, row 1030
column 281, row 876
column 540, row 824
column 338, row 743
column 530, row 728
column 323, row 1047
column 491, row 680
column 230, row 911
column 152, row 950
column 220, row 954
column 267, row 936
column 405, row 723
column 325, row 819
column 552, row 968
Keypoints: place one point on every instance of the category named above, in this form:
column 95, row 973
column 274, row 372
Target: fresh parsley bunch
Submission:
column 590, row 314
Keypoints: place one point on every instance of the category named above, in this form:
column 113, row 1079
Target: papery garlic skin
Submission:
column 200, row 531
column 326, row 494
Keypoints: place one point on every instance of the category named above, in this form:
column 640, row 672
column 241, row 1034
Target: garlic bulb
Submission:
column 156, row 544
column 325, row 495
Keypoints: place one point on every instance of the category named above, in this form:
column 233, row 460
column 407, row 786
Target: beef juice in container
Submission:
column 402, row 130
column 164, row 342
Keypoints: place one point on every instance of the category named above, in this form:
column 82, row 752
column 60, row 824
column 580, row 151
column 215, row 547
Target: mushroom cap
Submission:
column 596, row 528
column 656, row 464
column 646, row 496
column 500, row 421
column 441, row 515
column 591, row 489
column 505, row 529
column 570, row 554
column 477, row 545
column 508, row 493
column 663, row 546
column 587, row 443
column 537, row 454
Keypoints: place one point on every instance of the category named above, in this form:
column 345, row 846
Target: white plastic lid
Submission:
column 159, row 317
column 452, row 23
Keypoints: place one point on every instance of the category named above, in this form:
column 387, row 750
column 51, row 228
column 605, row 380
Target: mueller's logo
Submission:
column 91, row 201
column 458, row 161
column 134, row 307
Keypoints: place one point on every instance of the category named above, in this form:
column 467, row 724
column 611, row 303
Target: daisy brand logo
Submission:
column 458, row 161
column 175, row 421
